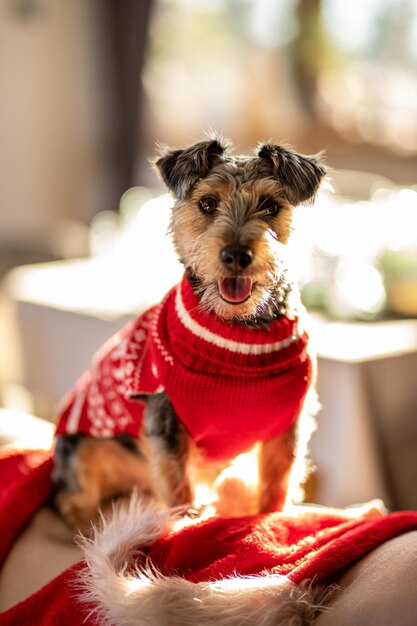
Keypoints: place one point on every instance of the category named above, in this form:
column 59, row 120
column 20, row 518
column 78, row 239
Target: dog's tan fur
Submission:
column 198, row 238
column 242, row 190
column 105, row 471
column 171, row 474
column 276, row 458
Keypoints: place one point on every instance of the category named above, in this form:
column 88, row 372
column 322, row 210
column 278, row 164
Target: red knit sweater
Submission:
column 230, row 385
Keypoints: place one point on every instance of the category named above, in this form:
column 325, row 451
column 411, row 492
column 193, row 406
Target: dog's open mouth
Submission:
column 236, row 289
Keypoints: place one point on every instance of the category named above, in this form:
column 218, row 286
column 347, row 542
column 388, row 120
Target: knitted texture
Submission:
column 231, row 385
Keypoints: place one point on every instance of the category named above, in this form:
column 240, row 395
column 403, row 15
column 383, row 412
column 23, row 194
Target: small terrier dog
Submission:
column 221, row 364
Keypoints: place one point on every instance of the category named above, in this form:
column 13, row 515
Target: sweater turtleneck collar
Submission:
column 200, row 339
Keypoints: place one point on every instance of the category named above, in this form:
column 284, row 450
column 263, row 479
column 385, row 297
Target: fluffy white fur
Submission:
column 127, row 596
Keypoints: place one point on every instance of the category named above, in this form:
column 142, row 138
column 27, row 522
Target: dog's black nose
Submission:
column 236, row 257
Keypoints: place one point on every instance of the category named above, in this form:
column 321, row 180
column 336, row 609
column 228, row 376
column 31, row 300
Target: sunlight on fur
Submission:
column 234, row 492
column 223, row 362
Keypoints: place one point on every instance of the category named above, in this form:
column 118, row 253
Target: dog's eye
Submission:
column 208, row 205
column 270, row 207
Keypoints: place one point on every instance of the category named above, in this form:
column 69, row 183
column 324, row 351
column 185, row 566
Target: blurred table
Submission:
column 366, row 443
column 22, row 430
column 365, row 447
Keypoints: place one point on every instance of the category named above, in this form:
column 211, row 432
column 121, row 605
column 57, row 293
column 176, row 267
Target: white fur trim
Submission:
column 222, row 342
column 144, row 597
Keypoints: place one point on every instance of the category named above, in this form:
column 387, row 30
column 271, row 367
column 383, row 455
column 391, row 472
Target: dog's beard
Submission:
column 266, row 301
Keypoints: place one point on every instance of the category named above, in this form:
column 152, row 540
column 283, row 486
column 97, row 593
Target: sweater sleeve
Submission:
column 100, row 403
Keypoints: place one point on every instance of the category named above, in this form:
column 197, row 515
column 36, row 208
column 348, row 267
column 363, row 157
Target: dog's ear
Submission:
column 181, row 169
column 299, row 175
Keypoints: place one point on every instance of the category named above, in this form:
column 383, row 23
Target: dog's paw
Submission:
column 235, row 497
column 76, row 513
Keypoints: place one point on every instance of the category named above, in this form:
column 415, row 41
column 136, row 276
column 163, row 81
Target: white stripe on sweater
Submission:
column 222, row 342
column 75, row 414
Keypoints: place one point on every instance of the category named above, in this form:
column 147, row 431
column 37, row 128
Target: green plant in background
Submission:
column 399, row 265
column 400, row 274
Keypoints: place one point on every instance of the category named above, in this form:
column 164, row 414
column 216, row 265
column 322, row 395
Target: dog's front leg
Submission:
column 276, row 458
column 167, row 447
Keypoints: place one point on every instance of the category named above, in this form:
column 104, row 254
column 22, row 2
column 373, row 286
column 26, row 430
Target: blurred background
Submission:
column 87, row 89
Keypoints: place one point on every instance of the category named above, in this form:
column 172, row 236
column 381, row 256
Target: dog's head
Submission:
column 232, row 217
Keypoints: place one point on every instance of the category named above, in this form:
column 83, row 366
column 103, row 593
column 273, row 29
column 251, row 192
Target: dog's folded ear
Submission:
column 181, row 169
column 299, row 175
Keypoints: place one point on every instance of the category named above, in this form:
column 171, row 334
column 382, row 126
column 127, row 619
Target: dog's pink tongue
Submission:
column 236, row 289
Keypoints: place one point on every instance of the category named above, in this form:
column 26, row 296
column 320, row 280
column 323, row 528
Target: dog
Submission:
column 221, row 364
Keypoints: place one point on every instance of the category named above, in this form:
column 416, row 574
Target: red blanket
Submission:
column 312, row 545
